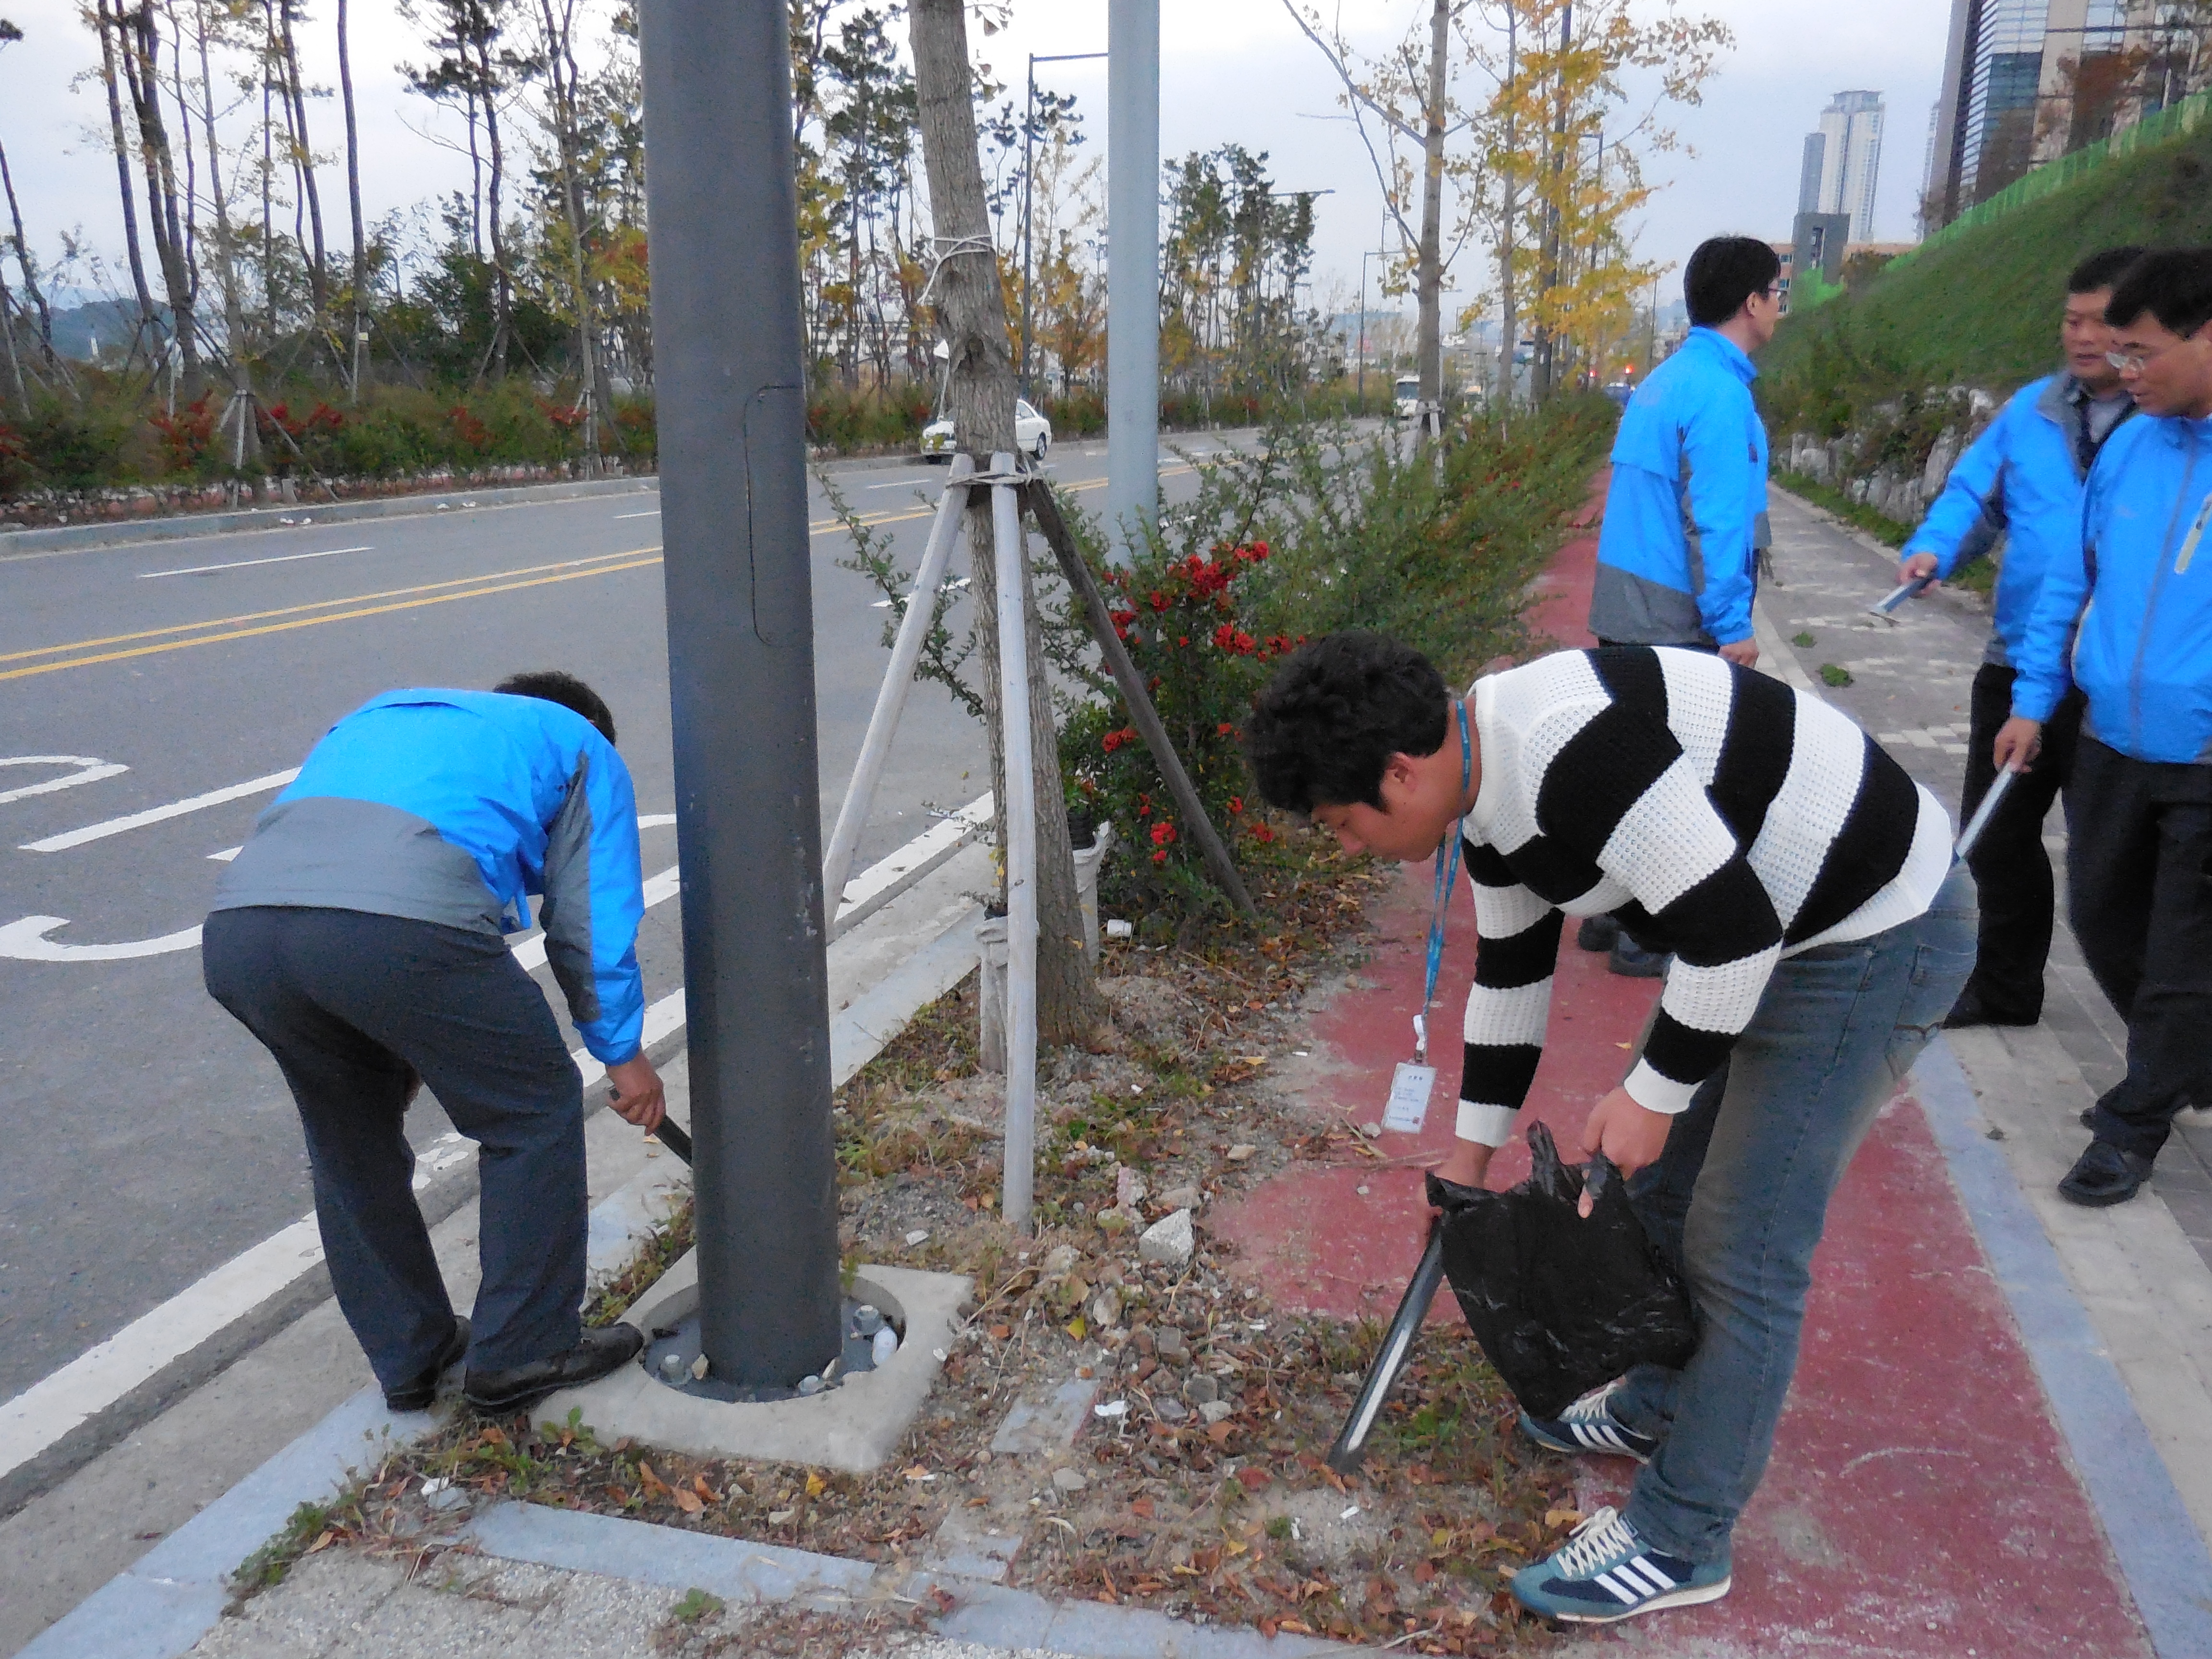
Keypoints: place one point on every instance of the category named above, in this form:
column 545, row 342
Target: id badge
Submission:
column 1410, row 1086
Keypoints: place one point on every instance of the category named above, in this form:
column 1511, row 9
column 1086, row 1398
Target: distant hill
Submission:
column 1983, row 307
column 110, row 323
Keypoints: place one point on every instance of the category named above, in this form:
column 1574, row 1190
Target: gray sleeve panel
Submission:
column 1632, row 609
column 567, row 910
column 330, row 852
column 1762, row 532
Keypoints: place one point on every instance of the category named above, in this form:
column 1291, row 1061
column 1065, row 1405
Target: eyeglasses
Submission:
column 2134, row 363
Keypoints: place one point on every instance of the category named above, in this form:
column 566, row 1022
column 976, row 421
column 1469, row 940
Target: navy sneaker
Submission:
column 1605, row 1573
column 1589, row 1426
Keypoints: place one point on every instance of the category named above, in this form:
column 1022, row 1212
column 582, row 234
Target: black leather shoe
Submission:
column 2105, row 1175
column 1970, row 1010
column 1631, row 961
column 521, row 1385
column 417, row 1395
column 1597, row 933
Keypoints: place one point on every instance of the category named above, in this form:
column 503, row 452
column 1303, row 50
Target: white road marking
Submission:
column 227, row 854
column 89, row 770
column 903, row 483
column 156, row 814
column 241, row 564
column 27, row 941
column 650, row 513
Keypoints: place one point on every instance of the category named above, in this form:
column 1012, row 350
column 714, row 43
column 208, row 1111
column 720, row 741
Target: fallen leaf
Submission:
column 1252, row 1480
column 1218, row 1433
column 1296, row 1627
column 1000, row 1333
column 1563, row 1517
column 1143, row 1506
column 687, row 1501
column 815, row 1486
column 652, row 1482
column 919, row 1474
column 699, row 1484
column 1076, row 1328
column 323, row 1542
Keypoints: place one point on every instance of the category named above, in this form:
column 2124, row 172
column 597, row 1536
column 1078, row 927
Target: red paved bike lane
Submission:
column 1921, row 1500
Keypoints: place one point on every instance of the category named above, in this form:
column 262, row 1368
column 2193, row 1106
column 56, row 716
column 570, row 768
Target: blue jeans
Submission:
column 1740, row 1197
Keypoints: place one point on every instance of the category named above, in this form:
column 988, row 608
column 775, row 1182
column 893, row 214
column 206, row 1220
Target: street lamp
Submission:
column 1365, row 255
column 1029, row 173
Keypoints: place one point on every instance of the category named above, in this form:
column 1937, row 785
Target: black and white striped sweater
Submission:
column 1722, row 816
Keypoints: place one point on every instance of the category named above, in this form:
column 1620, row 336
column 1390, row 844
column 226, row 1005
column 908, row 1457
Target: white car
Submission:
column 1031, row 431
column 1406, row 398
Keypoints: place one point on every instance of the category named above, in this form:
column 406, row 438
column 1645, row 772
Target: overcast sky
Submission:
column 1231, row 71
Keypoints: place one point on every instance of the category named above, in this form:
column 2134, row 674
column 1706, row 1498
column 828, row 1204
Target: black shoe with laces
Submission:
column 2105, row 1175
column 416, row 1395
column 599, row 1353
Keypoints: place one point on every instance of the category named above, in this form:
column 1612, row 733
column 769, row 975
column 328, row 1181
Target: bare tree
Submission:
column 980, row 394
column 106, row 24
column 1408, row 94
column 138, row 53
column 9, row 35
column 293, row 88
column 555, row 59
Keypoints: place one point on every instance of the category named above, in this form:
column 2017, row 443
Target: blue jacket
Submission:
column 1686, row 504
column 2021, row 480
column 2143, row 590
column 455, row 807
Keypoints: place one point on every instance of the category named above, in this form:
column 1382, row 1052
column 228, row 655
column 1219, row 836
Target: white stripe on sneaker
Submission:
column 1622, row 1593
column 1659, row 1581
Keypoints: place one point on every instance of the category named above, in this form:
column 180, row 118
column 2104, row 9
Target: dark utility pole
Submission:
column 723, row 206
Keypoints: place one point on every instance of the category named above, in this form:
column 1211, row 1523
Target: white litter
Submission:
column 1111, row 1408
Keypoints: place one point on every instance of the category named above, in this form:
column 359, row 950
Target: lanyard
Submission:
column 1447, row 878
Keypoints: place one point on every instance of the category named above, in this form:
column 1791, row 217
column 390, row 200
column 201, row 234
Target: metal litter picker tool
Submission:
column 1350, row 1450
column 1982, row 814
column 1885, row 610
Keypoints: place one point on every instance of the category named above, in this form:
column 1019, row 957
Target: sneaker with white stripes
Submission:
column 1604, row 1572
column 1589, row 1426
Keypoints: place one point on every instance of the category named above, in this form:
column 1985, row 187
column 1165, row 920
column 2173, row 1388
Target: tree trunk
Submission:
column 360, row 329
column 502, row 284
column 8, row 340
column 1430, row 346
column 109, row 25
column 318, row 269
column 1547, row 337
column 139, row 48
column 30, row 273
column 563, row 100
column 980, row 396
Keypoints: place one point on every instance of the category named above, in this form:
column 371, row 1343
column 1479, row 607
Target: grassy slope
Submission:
column 1984, row 307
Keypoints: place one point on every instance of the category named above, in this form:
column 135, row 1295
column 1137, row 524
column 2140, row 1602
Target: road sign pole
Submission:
column 731, row 407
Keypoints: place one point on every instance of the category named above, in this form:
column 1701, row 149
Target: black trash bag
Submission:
column 1559, row 1303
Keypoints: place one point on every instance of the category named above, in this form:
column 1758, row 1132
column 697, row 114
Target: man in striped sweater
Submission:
column 1804, row 885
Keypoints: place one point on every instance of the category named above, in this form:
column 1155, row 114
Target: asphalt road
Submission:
column 151, row 1138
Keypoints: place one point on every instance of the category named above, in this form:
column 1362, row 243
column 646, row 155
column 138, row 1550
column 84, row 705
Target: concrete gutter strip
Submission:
column 740, row 1571
column 2151, row 1534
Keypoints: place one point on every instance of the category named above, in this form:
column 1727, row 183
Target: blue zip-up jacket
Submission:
column 2143, row 590
column 2022, row 480
column 1686, row 506
column 454, row 807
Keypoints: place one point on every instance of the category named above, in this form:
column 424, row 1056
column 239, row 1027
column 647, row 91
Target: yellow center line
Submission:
column 567, row 569
column 315, row 622
column 320, row 604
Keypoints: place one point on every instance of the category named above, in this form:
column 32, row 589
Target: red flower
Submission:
column 1236, row 803
column 1159, row 600
column 1259, row 550
column 1262, row 834
column 1225, row 636
column 1163, row 833
column 1182, row 639
column 1160, row 857
column 1227, row 729
column 1143, row 806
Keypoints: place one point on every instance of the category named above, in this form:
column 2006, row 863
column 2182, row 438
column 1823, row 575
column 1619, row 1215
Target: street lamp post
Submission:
column 1028, row 182
column 1365, row 255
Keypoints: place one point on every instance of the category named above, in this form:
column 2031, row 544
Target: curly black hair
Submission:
column 557, row 685
column 1327, row 723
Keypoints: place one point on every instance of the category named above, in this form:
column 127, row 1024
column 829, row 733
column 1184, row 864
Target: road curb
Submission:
column 2152, row 1536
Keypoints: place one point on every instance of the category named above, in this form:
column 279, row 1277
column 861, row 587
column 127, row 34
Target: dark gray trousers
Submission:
column 348, row 1002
